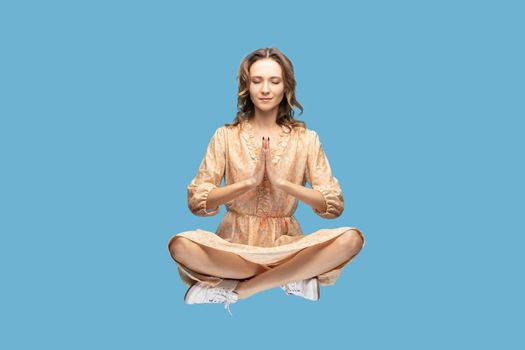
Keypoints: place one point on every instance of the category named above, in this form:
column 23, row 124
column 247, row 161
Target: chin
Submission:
column 266, row 107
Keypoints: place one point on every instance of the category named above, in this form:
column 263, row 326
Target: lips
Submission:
column 265, row 99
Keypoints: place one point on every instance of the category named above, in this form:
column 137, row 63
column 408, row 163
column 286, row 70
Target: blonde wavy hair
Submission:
column 245, row 106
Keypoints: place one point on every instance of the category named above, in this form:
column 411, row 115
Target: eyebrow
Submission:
column 258, row 76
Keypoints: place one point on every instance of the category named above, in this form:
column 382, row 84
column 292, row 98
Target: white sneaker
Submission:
column 308, row 288
column 200, row 293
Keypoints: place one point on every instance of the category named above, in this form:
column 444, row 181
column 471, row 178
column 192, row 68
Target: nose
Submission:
column 264, row 88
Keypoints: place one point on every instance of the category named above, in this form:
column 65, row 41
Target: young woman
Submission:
column 265, row 157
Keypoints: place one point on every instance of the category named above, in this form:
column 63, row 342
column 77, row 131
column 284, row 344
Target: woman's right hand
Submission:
column 259, row 172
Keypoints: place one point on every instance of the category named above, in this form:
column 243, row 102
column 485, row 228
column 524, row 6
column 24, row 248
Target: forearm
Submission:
column 220, row 195
column 313, row 198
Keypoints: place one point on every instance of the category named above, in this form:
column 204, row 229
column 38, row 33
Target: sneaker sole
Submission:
column 186, row 294
column 318, row 296
column 318, row 289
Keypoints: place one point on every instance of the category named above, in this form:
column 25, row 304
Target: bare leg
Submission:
column 307, row 263
column 211, row 261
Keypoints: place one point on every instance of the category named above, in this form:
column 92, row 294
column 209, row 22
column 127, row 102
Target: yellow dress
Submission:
column 259, row 225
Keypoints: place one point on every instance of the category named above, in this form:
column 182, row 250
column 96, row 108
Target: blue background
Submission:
column 106, row 111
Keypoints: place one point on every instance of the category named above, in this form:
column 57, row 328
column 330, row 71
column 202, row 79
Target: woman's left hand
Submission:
column 271, row 172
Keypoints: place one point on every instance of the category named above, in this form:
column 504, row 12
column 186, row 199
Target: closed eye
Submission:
column 274, row 82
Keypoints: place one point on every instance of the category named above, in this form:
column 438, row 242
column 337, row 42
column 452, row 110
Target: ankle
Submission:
column 241, row 293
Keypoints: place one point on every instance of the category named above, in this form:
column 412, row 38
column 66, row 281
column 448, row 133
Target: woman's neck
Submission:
column 264, row 121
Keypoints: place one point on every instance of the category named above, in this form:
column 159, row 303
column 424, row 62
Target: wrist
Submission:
column 250, row 183
column 282, row 184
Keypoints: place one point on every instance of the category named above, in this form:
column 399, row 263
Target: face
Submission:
column 266, row 84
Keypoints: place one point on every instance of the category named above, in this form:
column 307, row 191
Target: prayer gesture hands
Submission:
column 264, row 167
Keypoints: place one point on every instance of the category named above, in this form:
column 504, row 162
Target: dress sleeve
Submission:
column 319, row 176
column 209, row 175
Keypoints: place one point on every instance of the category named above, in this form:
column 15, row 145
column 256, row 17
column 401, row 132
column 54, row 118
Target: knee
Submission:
column 350, row 241
column 180, row 248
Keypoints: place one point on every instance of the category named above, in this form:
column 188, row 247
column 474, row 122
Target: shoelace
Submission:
column 223, row 296
column 292, row 287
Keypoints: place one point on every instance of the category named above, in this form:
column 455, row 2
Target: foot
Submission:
column 308, row 288
column 241, row 292
column 223, row 293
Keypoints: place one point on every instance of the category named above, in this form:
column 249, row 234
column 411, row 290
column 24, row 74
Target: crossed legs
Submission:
column 307, row 263
column 211, row 261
